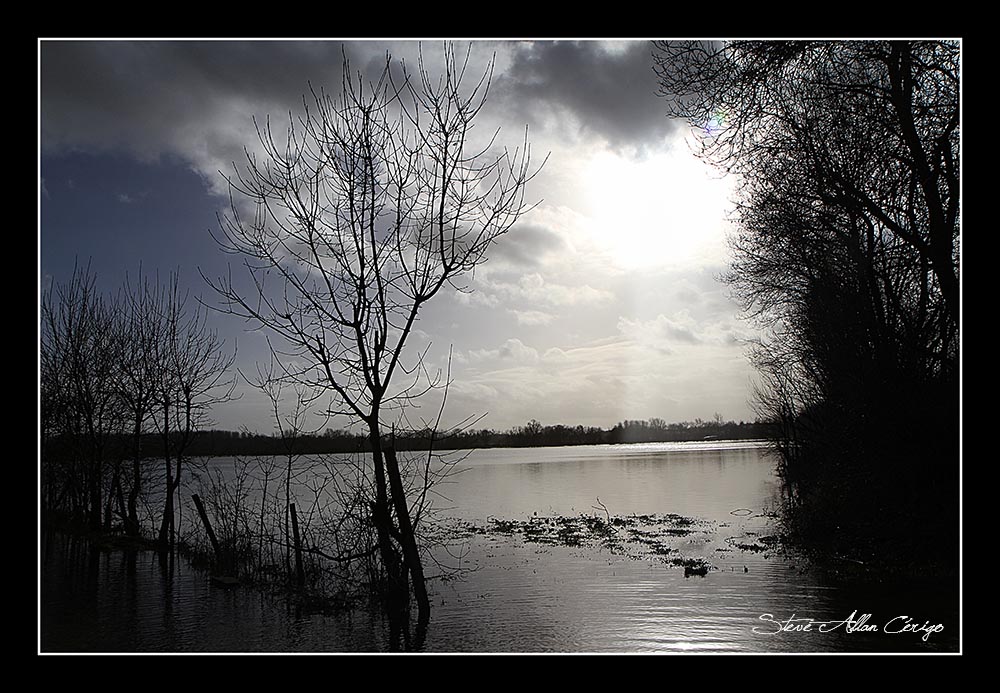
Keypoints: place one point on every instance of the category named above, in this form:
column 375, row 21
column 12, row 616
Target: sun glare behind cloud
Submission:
column 667, row 210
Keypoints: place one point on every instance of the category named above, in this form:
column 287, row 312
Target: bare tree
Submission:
column 366, row 208
column 79, row 346
column 291, row 423
column 192, row 370
column 851, row 144
column 141, row 327
column 111, row 369
column 847, row 255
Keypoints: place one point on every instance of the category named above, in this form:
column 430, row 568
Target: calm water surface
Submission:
column 515, row 595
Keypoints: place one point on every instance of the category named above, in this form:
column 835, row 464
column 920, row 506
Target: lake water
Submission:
column 517, row 592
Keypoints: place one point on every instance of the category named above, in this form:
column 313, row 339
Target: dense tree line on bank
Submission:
column 222, row 443
column 534, row 434
column 847, row 256
column 124, row 378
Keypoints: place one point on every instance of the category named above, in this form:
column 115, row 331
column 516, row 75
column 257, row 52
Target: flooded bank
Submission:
column 622, row 549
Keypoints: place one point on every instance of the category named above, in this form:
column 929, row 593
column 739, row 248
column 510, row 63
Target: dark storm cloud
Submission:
column 195, row 98
column 155, row 97
column 527, row 245
column 594, row 88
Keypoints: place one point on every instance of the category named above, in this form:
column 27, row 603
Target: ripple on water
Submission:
column 520, row 596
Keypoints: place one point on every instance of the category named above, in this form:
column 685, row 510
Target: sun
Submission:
column 665, row 210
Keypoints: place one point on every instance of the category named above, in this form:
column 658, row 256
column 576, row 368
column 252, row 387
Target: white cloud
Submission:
column 680, row 328
column 531, row 317
column 602, row 382
column 511, row 351
column 534, row 289
column 515, row 350
column 476, row 298
column 662, row 332
column 555, row 355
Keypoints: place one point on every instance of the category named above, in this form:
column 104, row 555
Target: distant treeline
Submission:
column 654, row 430
column 232, row 443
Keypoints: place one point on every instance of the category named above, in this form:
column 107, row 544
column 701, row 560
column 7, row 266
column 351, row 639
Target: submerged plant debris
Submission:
column 756, row 545
column 649, row 537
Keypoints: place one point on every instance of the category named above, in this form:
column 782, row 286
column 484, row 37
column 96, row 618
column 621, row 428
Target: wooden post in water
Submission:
column 208, row 528
column 300, row 577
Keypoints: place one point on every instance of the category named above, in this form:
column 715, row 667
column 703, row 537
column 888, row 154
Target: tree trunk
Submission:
column 300, row 575
column 114, row 494
column 381, row 496
column 132, row 525
column 288, row 502
column 407, row 538
column 220, row 563
column 383, row 525
column 165, row 538
column 95, row 495
column 940, row 244
column 167, row 523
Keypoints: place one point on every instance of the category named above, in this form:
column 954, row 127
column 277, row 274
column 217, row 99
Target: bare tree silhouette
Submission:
column 79, row 347
column 111, row 370
column 192, row 370
column 362, row 212
column 141, row 326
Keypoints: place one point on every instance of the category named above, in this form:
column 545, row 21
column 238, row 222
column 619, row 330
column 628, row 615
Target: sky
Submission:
column 601, row 304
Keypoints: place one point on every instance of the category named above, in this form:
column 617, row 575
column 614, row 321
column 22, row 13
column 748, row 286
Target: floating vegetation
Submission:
column 501, row 526
column 692, row 566
column 634, row 536
column 668, row 538
column 761, row 544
